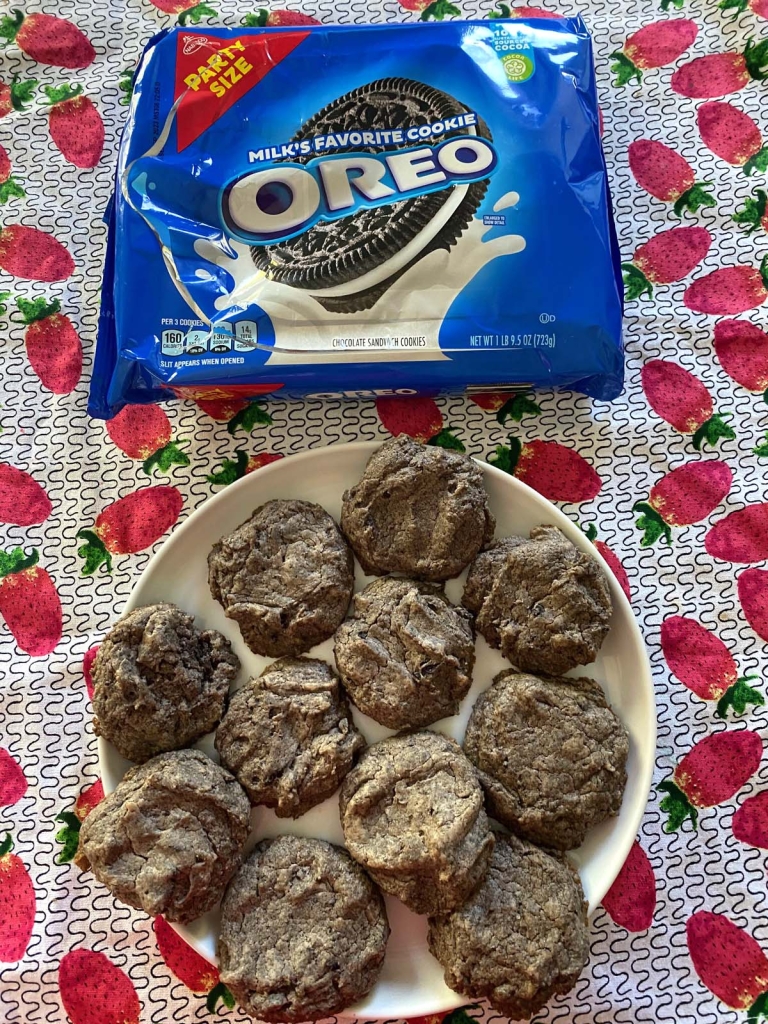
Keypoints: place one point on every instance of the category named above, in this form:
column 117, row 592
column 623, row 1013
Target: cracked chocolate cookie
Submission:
column 543, row 602
column 285, row 576
column 522, row 937
column 347, row 264
column 158, row 682
column 303, row 931
column 406, row 654
column 412, row 814
column 170, row 836
column 417, row 510
column 551, row 755
column 288, row 736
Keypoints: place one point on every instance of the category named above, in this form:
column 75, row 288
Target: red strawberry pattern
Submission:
column 557, row 472
column 732, row 135
column 750, row 822
column 13, row 781
column 614, row 563
column 33, row 255
column 419, row 418
column 668, row 176
column 718, row 74
column 669, row 256
column 729, row 962
column 54, row 349
column 129, row 525
column 742, row 349
column 682, row 400
column 687, row 495
column 48, row 39
column 653, row 46
column 75, row 125
column 702, row 662
column 94, row 991
column 23, row 501
column 631, row 900
column 29, row 603
column 753, row 595
column 712, row 771
column 729, row 290
column 200, row 976
column 686, row 146
column 17, row 904
column 144, row 432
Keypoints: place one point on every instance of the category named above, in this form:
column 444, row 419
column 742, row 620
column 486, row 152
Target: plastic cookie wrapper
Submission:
column 398, row 209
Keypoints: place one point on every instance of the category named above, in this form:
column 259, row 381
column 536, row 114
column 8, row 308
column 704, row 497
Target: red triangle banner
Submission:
column 214, row 73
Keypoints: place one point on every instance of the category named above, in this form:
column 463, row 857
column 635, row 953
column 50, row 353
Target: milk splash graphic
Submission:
column 411, row 310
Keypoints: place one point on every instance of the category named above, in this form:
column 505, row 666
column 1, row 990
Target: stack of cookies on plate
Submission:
column 303, row 923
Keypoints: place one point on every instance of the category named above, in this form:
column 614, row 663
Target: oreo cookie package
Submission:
column 359, row 211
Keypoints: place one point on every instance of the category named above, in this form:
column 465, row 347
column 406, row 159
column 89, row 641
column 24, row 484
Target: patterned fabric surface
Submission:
column 683, row 934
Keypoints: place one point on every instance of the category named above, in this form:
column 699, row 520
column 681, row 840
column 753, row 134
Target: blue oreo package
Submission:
column 394, row 209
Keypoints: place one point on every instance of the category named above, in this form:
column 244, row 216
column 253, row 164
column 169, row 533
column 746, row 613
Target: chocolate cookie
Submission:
column 303, row 931
column 170, row 836
column 546, row 604
column 522, row 937
column 159, row 683
column 418, row 510
column 406, row 655
column 288, row 736
column 285, row 576
column 551, row 756
column 348, row 264
column 412, row 814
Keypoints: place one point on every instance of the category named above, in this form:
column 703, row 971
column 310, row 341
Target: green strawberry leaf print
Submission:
column 696, row 197
column 677, row 4
column 758, row 1009
column 60, row 93
column 164, row 458
column 3, row 305
column 517, row 407
column 506, row 457
column 254, row 413
column 16, row 561
column 94, row 552
column 230, row 471
column 751, row 214
column 713, row 430
column 69, row 836
column 652, row 525
column 624, row 69
column 762, row 449
column 758, row 162
column 461, row 1016
column 194, row 15
column 253, row 20
column 500, row 11
column 738, row 696
column 439, row 10
column 636, row 284
column 125, row 86
column 33, row 310
column 677, row 805
column 446, row 439
column 737, row 6
column 219, row 992
column 22, row 92
column 11, row 189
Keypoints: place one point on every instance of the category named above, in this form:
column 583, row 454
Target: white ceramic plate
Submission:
column 411, row 983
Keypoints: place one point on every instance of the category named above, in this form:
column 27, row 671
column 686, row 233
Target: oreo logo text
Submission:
column 285, row 199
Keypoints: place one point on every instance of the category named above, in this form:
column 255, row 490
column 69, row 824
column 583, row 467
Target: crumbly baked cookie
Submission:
column 521, row 937
column 412, row 814
column 303, row 931
column 168, row 839
column 551, row 755
column 418, row 510
column 546, row 604
column 158, row 682
column 285, row 576
column 288, row 736
column 406, row 654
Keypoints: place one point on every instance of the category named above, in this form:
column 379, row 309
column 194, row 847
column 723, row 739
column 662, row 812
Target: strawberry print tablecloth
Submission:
column 669, row 481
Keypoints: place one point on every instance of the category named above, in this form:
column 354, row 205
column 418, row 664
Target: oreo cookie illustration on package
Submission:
column 361, row 211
